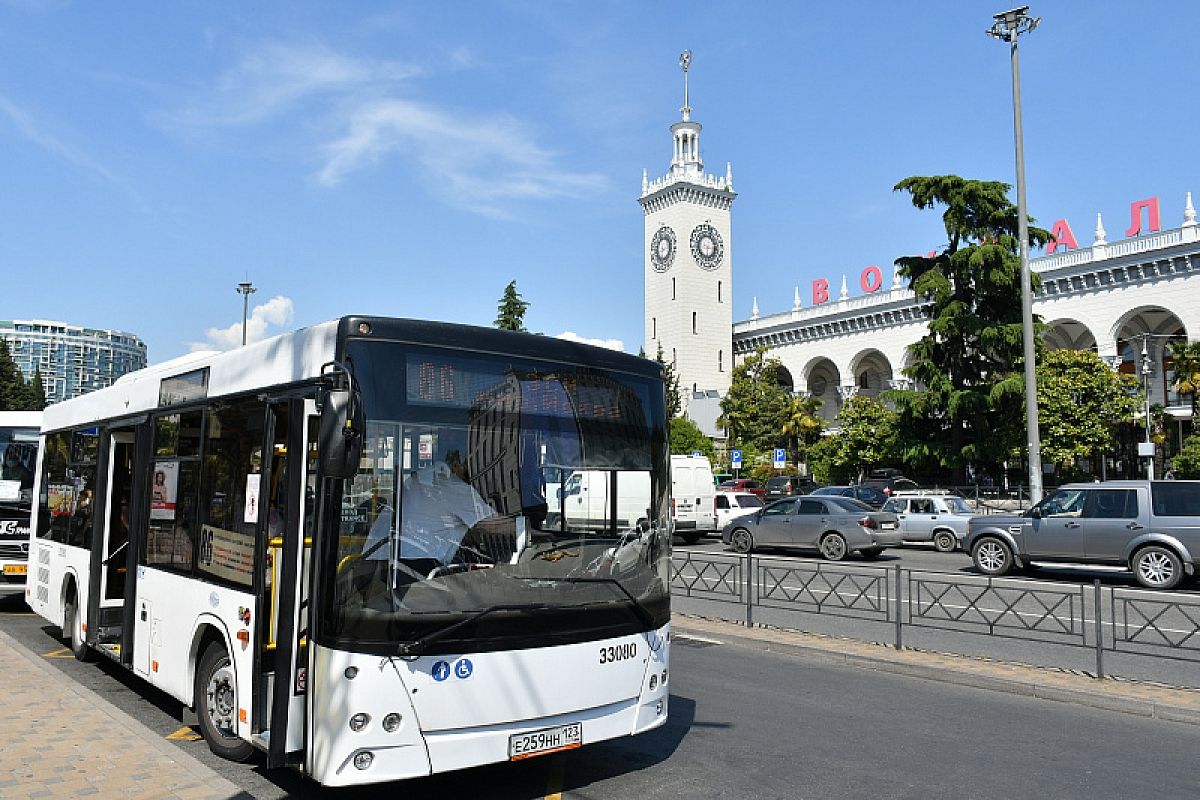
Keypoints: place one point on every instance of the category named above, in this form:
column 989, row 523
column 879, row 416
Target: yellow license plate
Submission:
column 16, row 569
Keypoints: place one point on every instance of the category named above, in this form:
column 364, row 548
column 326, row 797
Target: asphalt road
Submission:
column 749, row 724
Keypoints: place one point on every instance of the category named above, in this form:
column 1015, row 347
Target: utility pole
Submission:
column 245, row 290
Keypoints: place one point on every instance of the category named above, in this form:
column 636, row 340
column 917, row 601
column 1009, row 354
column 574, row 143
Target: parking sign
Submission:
column 780, row 458
column 735, row 458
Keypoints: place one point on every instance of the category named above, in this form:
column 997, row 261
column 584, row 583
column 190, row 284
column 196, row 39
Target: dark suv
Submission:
column 788, row 486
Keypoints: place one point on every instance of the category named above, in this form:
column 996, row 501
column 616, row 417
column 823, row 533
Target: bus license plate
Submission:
column 547, row 740
column 16, row 569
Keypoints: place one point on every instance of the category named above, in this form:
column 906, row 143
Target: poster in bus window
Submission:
column 60, row 499
column 227, row 554
column 163, row 490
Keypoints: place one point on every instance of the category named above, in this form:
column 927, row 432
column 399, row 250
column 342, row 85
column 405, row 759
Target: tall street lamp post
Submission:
column 245, row 290
column 1008, row 26
column 1147, row 373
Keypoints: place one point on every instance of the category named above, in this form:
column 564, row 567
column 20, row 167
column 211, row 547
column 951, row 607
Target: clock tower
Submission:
column 689, row 262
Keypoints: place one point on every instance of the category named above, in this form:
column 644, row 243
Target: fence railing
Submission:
column 1104, row 619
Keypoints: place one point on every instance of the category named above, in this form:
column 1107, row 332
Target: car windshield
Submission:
column 525, row 491
column 894, row 506
column 748, row 501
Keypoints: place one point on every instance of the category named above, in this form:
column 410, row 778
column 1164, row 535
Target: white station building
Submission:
column 1127, row 300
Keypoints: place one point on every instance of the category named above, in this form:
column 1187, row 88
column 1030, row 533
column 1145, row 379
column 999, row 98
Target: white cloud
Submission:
column 278, row 77
column 476, row 163
column 277, row 311
column 611, row 344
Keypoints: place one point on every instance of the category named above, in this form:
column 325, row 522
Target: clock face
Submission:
column 707, row 247
column 662, row 249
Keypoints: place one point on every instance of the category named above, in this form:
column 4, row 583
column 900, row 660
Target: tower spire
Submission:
column 685, row 61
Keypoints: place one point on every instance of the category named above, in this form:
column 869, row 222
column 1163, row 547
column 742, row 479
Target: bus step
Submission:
column 111, row 650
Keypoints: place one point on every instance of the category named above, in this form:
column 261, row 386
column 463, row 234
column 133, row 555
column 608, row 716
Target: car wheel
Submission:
column 871, row 552
column 1157, row 567
column 944, row 541
column 217, row 705
column 833, row 547
column 73, row 631
column 742, row 540
column 992, row 556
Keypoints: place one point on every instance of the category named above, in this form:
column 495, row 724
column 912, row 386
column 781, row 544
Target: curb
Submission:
column 1174, row 705
column 53, row 680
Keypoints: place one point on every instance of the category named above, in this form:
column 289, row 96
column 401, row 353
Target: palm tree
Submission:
column 802, row 427
column 1186, row 359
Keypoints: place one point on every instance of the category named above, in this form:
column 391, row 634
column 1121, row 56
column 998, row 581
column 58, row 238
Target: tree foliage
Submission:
column 17, row 394
column 867, row 438
column 686, row 438
column 1186, row 463
column 755, row 408
column 511, row 311
column 802, row 426
column 968, row 407
column 671, row 381
column 1080, row 403
column 1185, row 360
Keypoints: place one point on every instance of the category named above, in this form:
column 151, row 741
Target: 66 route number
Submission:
column 618, row 652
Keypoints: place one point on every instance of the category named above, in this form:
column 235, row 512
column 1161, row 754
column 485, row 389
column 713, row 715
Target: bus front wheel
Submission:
column 73, row 631
column 217, row 705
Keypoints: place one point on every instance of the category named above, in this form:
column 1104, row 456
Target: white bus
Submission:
column 18, row 461
column 335, row 546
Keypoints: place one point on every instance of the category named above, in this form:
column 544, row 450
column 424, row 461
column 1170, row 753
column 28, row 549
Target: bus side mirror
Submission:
column 340, row 439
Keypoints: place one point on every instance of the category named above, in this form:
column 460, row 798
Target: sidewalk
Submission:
column 1129, row 697
column 63, row 740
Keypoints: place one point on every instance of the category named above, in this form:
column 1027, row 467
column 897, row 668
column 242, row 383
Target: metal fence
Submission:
column 1104, row 619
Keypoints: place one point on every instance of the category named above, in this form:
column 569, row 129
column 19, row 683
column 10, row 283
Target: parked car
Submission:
column 692, row 491
column 1150, row 527
column 834, row 526
column 928, row 517
column 731, row 505
column 891, row 484
column 788, row 486
column 742, row 485
column 868, row 494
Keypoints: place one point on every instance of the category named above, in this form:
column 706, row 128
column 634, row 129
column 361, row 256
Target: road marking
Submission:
column 62, row 652
column 184, row 734
column 692, row 637
column 554, row 781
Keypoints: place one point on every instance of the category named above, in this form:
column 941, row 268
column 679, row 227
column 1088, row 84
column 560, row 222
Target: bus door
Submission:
column 281, row 698
column 111, row 563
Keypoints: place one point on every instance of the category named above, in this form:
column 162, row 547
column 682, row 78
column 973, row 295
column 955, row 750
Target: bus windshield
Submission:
column 498, row 501
column 18, row 457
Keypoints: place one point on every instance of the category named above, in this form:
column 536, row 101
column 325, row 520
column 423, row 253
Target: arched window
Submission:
column 718, row 291
column 720, row 362
column 654, row 327
column 672, row 356
column 672, row 288
column 694, row 322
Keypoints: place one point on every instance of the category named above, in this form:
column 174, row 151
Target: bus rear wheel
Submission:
column 217, row 705
column 73, row 631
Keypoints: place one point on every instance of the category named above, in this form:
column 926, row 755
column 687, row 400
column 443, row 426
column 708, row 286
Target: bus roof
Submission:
column 20, row 419
column 299, row 355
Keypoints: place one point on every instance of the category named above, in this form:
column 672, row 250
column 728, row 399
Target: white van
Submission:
column 693, row 497
column 586, row 502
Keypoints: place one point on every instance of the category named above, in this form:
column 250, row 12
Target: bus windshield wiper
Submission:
column 415, row 647
column 638, row 609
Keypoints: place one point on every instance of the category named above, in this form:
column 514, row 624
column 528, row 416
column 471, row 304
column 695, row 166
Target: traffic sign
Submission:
column 780, row 458
column 697, row 453
column 735, row 458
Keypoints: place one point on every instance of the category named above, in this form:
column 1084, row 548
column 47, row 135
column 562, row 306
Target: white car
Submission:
column 926, row 517
column 731, row 505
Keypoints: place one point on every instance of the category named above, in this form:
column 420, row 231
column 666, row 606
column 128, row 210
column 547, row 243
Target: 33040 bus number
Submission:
column 619, row 652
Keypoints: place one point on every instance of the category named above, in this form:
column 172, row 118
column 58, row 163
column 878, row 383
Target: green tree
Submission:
column 1080, row 403
column 802, row 426
column 1185, row 361
column 687, row 438
column 671, row 380
column 12, row 382
column 754, row 409
column 510, row 314
column 1186, row 463
column 37, row 392
column 969, row 404
column 866, row 438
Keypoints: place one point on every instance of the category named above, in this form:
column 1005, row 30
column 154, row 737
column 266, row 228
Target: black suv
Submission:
column 788, row 486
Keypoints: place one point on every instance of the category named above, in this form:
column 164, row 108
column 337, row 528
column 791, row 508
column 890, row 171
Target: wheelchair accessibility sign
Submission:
column 462, row 669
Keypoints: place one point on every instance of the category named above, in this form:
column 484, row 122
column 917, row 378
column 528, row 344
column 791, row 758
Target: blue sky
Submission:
column 410, row 159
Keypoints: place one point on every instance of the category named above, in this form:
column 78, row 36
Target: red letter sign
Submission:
column 820, row 291
column 1060, row 235
column 1135, row 216
column 871, row 279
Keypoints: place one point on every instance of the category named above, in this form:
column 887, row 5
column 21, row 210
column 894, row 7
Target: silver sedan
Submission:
column 835, row 526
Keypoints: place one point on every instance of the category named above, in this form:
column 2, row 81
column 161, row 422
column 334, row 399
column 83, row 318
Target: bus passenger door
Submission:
column 284, row 639
column 111, row 559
